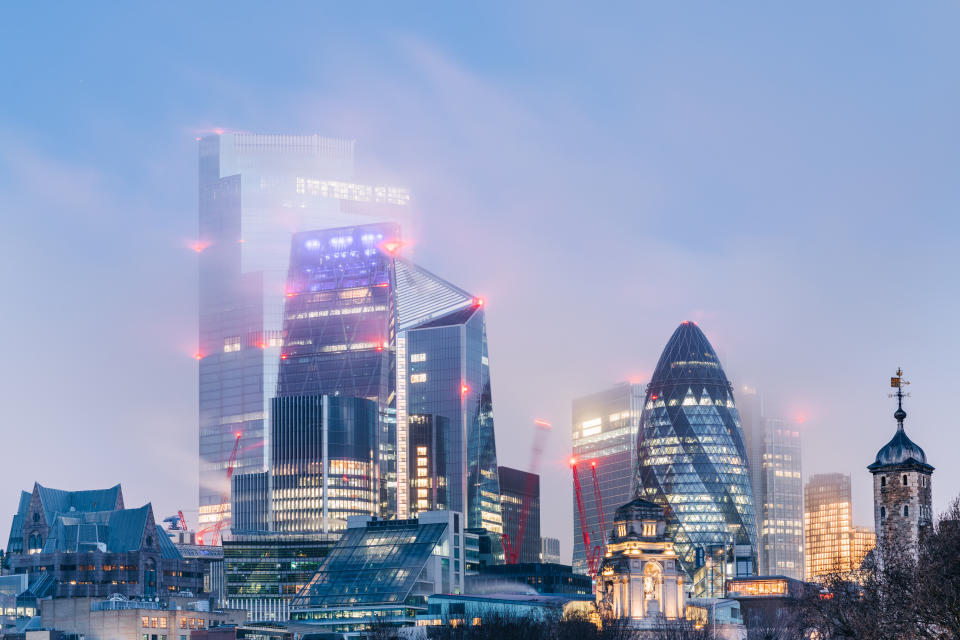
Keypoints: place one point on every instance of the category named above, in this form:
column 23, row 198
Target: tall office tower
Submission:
column 362, row 322
column 254, row 192
column 339, row 325
column 605, row 427
column 550, row 550
column 773, row 448
column 902, row 488
column 443, row 370
column 833, row 544
column 520, row 497
column 692, row 459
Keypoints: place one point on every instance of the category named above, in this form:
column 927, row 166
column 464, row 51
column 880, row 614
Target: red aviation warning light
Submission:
column 391, row 247
column 199, row 246
column 380, row 346
column 464, row 389
column 283, row 356
column 479, row 302
column 197, row 356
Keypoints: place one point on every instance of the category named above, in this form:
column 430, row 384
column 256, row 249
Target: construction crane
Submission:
column 511, row 548
column 177, row 522
column 219, row 523
column 592, row 553
column 603, row 518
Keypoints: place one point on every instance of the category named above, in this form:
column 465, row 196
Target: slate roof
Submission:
column 58, row 501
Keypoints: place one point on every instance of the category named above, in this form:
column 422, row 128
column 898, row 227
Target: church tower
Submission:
column 901, row 486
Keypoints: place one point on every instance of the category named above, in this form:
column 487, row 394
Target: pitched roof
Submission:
column 423, row 296
column 56, row 501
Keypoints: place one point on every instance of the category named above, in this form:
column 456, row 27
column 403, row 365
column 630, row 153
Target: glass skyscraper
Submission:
column 362, row 323
column 605, row 427
column 255, row 191
column 773, row 447
column 691, row 455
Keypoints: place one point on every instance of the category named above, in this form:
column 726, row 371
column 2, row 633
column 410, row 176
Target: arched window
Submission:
column 883, row 512
column 883, row 481
column 906, row 511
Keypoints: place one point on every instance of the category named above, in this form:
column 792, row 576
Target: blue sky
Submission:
column 784, row 175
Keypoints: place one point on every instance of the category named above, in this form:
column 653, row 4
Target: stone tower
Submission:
column 901, row 487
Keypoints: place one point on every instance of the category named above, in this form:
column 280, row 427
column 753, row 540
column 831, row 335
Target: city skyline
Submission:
column 606, row 209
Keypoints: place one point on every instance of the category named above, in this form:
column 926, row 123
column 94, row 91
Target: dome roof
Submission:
column 688, row 357
column 901, row 450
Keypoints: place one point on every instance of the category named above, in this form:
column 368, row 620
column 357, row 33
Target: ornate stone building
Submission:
column 640, row 576
column 902, row 490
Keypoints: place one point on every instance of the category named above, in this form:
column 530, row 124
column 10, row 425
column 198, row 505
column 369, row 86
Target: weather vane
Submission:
column 898, row 383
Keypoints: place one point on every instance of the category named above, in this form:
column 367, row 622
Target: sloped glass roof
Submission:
column 376, row 564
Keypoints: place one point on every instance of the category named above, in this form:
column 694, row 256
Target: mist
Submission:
column 597, row 177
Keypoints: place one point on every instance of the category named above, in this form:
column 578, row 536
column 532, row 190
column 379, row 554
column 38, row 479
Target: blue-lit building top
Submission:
column 339, row 328
column 691, row 454
column 255, row 192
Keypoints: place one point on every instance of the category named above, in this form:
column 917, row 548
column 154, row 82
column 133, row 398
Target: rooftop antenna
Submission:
column 899, row 383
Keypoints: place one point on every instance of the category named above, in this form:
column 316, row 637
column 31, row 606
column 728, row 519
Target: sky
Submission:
column 784, row 175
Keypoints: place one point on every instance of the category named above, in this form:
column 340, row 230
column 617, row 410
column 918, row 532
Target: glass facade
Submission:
column 447, row 375
column 605, row 427
column 255, row 191
column 520, row 498
column 775, row 470
column 264, row 572
column 339, row 328
column 427, row 466
column 833, row 544
column 691, row 455
column 384, row 569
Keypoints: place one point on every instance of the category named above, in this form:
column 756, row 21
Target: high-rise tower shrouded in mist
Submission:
column 361, row 322
column 255, row 191
column 692, row 458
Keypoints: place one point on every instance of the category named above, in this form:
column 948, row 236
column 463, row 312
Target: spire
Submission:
column 898, row 382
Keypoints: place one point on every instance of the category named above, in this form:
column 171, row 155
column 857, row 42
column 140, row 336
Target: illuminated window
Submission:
column 418, row 377
column 421, row 451
column 649, row 529
column 231, row 344
column 145, row 621
column 418, row 357
column 421, row 472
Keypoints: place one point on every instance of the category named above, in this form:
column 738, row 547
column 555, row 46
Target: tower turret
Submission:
column 902, row 489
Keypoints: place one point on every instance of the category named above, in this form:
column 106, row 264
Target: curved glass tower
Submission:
column 692, row 460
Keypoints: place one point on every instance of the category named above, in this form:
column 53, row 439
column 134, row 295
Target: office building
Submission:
column 255, row 191
column 528, row 578
column 265, row 571
column 605, row 428
column 86, row 544
column 640, row 579
column 550, row 550
column 832, row 544
column 692, row 459
column 770, row 602
column 520, row 497
column 383, row 571
column 902, row 488
column 773, row 447
column 464, row 611
column 363, row 323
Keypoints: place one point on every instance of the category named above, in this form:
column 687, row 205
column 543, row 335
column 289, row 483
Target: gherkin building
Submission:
column 691, row 457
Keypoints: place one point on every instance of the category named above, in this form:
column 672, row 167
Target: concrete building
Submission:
column 833, row 544
column 520, row 501
column 640, row 578
column 773, row 446
column 605, row 426
column 174, row 618
column 902, row 488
